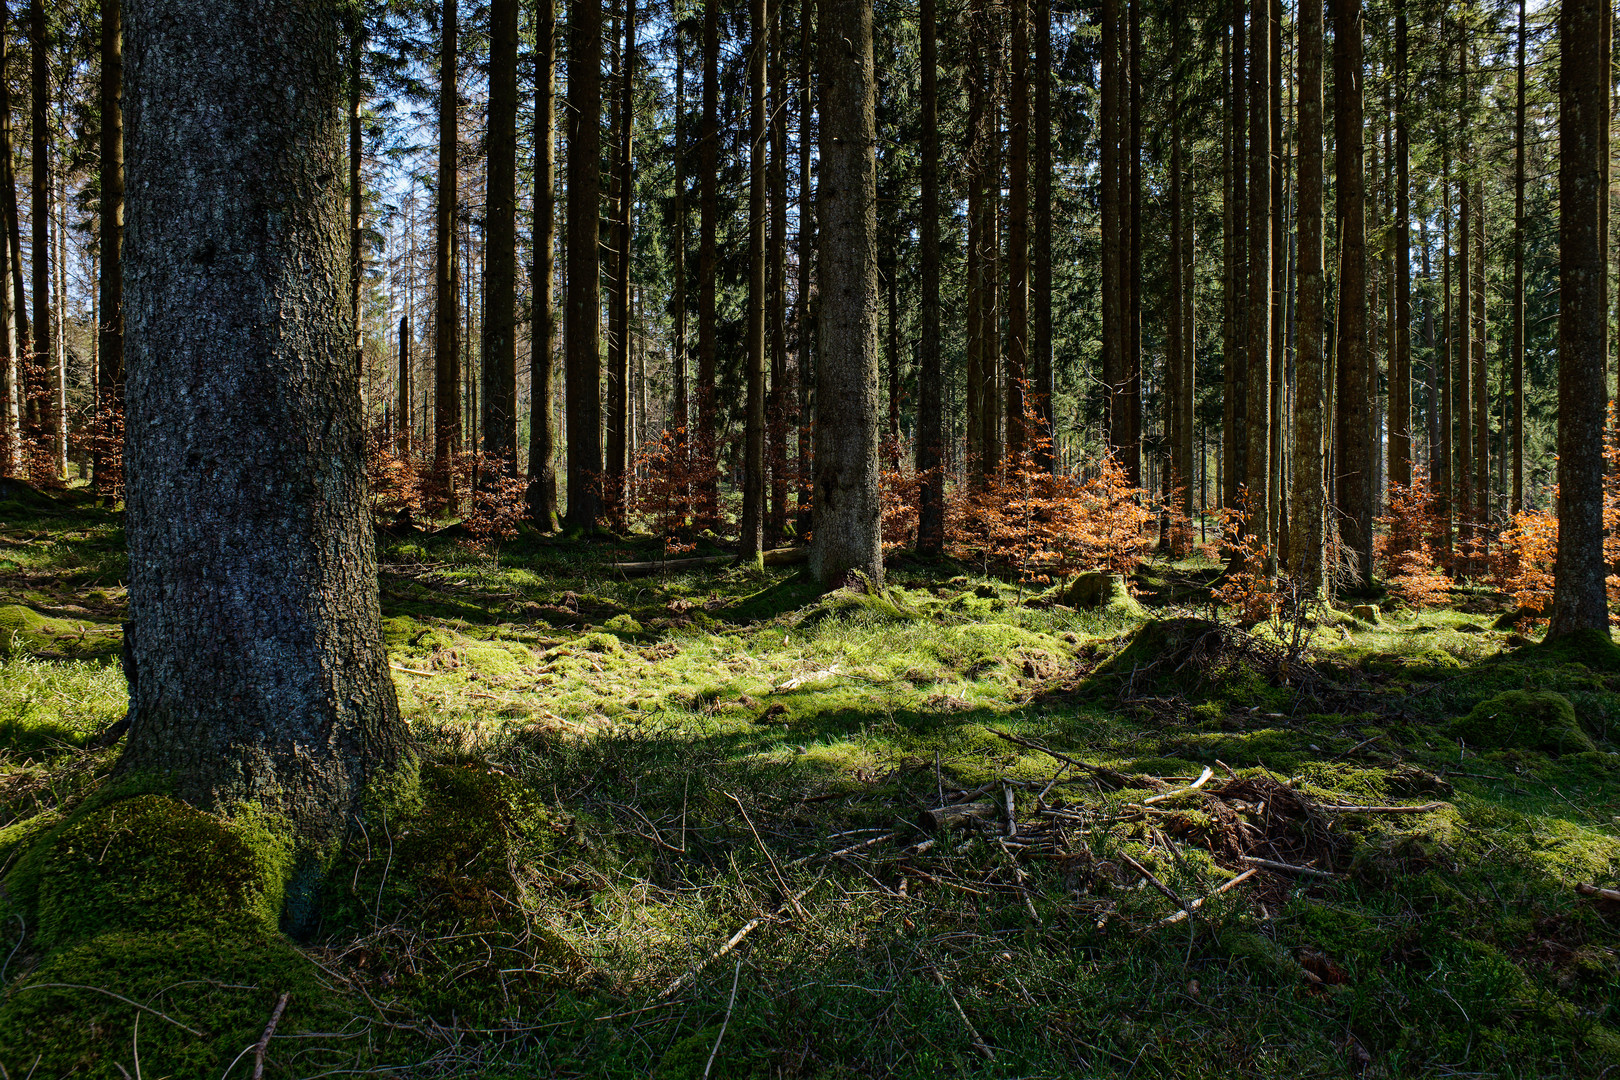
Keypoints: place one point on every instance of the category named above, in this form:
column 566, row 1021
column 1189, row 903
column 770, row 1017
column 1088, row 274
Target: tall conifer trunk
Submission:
column 447, row 275
column 618, row 420
column 1353, row 441
column 708, row 495
column 930, row 444
column 263, row 674
column 1257, row 474
column 1400, row 374
column 1517, row 502
column 542, row 490
column 848, row 508
column 752, row 540
column 806, row 252
column 1579, row 602
column 500, row 225
column 53, row 394
column 110, row 347
column 776, row 426
column 1043, row 378
column 582, row 332
column 1308, row 499
column 1017, row 226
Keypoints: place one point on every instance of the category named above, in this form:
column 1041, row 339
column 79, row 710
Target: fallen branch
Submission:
column 942, row 817
column 1194, row 786
column 1424, row 809
column 1290, row 868
column 413, row 671
column 1592, row 890
column 120, row 997
column 973, row 1032
column 735, row 975
column 736, row 939
column 1199, row 902
column 264, row 1040
column 774, row 557
column 874, row 842
column 1119, row 780
column 1151, row 879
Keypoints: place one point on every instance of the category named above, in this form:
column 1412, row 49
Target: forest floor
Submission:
column 676, row 826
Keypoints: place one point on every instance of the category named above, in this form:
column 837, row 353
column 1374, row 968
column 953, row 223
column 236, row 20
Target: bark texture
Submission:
column 930, row 373
column 848, row 506
column 1308, row 498
column 1579, row 603
column 253, row 577
column 1353, row 439
column 583, row 330
column 500, row 259
column 542, row 490
column 447, row 272
column 110, row 347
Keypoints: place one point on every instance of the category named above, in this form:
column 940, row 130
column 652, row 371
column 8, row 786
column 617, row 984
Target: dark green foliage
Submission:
column 1529, row 719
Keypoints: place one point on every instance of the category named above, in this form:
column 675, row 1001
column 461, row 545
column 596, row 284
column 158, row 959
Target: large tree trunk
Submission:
column 752, row 537
column 357, row 195
column 1482, row 423
column 1463, row 393
column 1017, row 227
column 1237, row 281
column 1225, row 467
column 110, row 347
column 708, row 495
column 447, row 274
column 1131, row 180
column 1043, row 380
column 12, row 387
column 1257, row 399
column 542, row 490
column 252, row 576
column 1354, row 409
column 583, row 329
column 1579, row 603
column 848, row 508
column 1308, row 498
column 1400, row 371
column 1445, row 477
column 930, row 446
column 500, row 231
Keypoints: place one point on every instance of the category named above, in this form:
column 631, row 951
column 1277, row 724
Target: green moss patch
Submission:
column 1525, row 719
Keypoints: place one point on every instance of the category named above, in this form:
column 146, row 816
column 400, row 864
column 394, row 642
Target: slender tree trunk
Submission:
column 1517, row 503
column 680, row 407
column 752, row 540
column 541, row 495
column 44, row 353
column 1226, row 487
column 1043, row 378
column 403, row 395
column 1018, row 227
column 930, row 443
column 1276, row 497
column 708, row 495
column 1258, row 396
column 1579, row 602
column 1400, row 375
column 447, row 274
column 1238, row 474
column 1482, row 421
column 1463, row 393
column 1355, row 411
column 1113, row 260
column 1132, row 181
column 618, row 418
column 776, row 426
column 110, row 329
column 1308, row 499
column 583, row 318
column 279, row 693
column 848, row 508
column 1446, row 478
column 500, row 225
column 1175, row 471
column 806, row 253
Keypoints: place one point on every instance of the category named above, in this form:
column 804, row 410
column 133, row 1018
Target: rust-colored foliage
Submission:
column 1524, row 561
column 495, row 502
column 1038, row 523
column 669, row 482
column 1246, row 588
column 1411, row 551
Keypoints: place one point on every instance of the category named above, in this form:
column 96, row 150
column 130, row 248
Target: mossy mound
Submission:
column 22, row 630
column 151, row 864
column 1525, row 720
column 1591, row 648
column 215, row 993
column 1097, row 591
column 871, row 606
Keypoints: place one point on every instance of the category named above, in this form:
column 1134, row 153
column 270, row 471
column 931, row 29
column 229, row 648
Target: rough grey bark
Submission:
column 500, row 237
column 446, row 273
column 252, row 576
column 1579, row 603
column 618, row 420
column 708, row 499
column 1040, row 330
column 752, row 526
column 1353, row 440
column 53, row 414
column 1517, row 503
column 541, row 495
column 930, row 374
column 357, row 193
column 1400, row 371
column 848, row 507
column 776, row 428
column 582, row 331
column 1308, row 497
column 1257, row 399
column 110, row 347
column 1018, row 103
column 806, row 252
column 1113, row 310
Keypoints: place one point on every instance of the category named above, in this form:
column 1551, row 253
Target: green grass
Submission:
column 622, row 773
